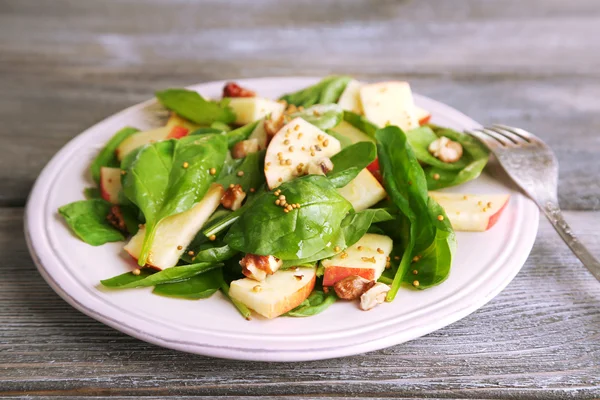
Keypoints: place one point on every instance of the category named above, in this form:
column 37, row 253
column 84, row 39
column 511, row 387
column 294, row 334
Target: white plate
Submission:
column 485, row 263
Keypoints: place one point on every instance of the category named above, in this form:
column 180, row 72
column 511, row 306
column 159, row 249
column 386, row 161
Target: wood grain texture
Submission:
column 538, row 339
column 67, row 64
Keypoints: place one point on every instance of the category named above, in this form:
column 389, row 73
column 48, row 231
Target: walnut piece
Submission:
column 352, row 287
column 233, row 197
column 232, row 89
column 243, row 148
column 374, row 296
column 446, row 150
column 320, row 167
column 115, row 218
column 258, row 267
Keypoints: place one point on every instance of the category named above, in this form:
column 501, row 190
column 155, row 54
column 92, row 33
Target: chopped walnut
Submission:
column 320, row 167
column 245, row 147
column 233, row 197
column 446, row 150
column 232, row 89
column 115, row 218
column 374, row 296
column 352, row 287
column 258, row 267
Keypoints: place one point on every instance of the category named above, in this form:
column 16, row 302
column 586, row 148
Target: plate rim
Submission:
column 266, row 354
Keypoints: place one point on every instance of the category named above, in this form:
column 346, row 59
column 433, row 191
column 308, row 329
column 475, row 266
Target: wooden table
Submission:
column 67, row 64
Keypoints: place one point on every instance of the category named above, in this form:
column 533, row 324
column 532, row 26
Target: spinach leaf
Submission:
column 206, row 131
column 190, row 105
column 87, row 219
column 406, row 185
column 169, row 177
column 241, row 133
column 252, row 169
column 353, row 227
column 326, row 91
column 131, row 215
column 323, row 116
column 209, row 252
column 107, row 156
column 220, row 126
column 266, row 229
column 360, row 123
column 170, row 275
column 421, row 138
column 350, row 161
column 315, row 304
column 199, row 286
column 92, row 193
column 475, row 154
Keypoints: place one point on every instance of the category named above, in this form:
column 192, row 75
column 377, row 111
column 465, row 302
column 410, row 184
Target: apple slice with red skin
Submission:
column 472, row 212
column 110, row 184
column 177, row 132
column 423, row 116
column 277, row 294
column 366, row 258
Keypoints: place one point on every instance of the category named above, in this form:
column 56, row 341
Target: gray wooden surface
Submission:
column 67, row 64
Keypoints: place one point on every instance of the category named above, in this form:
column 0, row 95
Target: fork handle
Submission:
column 555, row 216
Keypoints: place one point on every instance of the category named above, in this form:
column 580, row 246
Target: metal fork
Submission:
column 533, row 166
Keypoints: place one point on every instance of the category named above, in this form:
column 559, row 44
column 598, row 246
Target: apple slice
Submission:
column 175, row 120
column 350, row 98
column 178, row 132
column 389, row 103
column 249, row 109
column 423, row 116
column 260, row 134
column 355, row 135
column 366, row 258
column 472, row 212
column 142, row 138
column 110, row 184
column 277, row 294
column 175, row 233
column 364, row 191
column 293, row 148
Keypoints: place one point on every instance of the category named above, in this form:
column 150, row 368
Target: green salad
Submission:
column 286, row 205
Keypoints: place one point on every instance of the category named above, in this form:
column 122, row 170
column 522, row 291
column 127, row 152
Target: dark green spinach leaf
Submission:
column 149, row 278
column 209, row 252
column 353, row 227
column 315, row 304
column 405, row 183
column 200, row 286
column 323, row 116
column 350, row 161
column 266, row 229
column 478, row 158
column 190, row 105
column 92, row 193
column 87, row 219
column 241, row 133
column 107, row 156
column 252, row 169
column 169, row 177
column 327, row 91
column 420, row 139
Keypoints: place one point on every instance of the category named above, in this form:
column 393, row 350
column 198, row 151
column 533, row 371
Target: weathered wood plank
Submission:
column 538, row 339
column 532, row 64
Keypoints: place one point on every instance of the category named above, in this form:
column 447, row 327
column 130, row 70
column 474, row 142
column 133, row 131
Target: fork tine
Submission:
column 508, row 134
column 502, row 139
column 485, row 139
column 530, row 137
